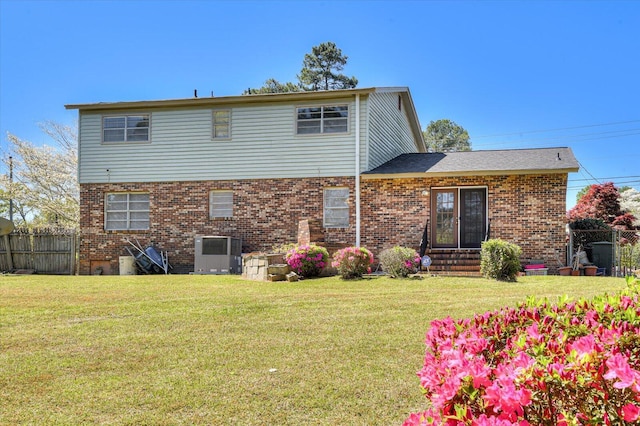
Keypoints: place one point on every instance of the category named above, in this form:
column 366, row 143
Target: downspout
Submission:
column 357, row 170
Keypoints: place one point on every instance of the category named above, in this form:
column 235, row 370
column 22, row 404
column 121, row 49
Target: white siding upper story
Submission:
column 263, row 141
column 390, row 131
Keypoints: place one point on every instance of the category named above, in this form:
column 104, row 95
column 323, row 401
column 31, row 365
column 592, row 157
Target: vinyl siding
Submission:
column 389, row 131
column 263, row 145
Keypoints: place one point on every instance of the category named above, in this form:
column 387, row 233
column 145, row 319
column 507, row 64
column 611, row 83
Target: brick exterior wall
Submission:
column 266, row 212
column 528, row 210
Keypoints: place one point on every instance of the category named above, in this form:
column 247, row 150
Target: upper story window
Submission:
column 221, row 124
column 125, row 128
column 126, row 211
column 322, row 119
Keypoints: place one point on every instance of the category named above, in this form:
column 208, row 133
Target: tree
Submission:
column 320, row 71
column 630, row 202
column 274, row 86
column 602, row 201
column 45, row 186
column 582, row 192
column 446, row 136
column 321, row 67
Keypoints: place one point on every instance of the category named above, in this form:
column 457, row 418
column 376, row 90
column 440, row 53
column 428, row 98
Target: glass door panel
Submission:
column 444, row 220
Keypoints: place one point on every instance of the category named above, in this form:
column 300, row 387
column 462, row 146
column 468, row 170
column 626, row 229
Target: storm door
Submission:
column 473, row 213
column 458, row 217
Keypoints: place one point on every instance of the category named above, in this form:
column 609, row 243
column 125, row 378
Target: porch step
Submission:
column 455, row 263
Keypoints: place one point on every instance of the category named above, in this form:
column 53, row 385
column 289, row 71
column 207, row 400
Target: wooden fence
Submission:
column 43, row 251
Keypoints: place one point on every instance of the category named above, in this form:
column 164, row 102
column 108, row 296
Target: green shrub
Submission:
column 589, row 224
column 399, row 261
column 500, row 260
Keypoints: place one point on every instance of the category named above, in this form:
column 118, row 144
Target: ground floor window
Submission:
column 126, row 211
column 336, row 208
column 220, row 204
column 458, row 217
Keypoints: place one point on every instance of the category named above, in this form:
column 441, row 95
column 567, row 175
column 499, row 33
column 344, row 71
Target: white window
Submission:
column 220, row 204
column 125, row 128
column 322, row 119
column 222, row 124
column 128, row 211
column 336, row 208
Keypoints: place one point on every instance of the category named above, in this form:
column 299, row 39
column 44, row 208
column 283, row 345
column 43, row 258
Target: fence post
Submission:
column 72, row 254
column 7, row 244
column 615, row 250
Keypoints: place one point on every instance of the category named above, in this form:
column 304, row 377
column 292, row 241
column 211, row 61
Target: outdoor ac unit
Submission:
column 217, row 255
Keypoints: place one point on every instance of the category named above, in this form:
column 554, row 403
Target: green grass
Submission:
column 189, row 349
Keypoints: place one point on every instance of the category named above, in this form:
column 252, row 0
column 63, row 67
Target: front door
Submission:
column 458, row 217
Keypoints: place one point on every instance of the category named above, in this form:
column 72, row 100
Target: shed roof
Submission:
column 489, row 162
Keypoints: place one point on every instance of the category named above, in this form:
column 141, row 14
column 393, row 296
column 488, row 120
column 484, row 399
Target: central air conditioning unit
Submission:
column 217, row 255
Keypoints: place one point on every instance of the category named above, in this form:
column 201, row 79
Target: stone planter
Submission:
column 255, row 266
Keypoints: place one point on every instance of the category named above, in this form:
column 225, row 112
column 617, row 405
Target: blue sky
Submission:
column 515, row 74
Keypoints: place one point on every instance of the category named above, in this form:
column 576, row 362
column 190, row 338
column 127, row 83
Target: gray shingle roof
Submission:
column 510, row 161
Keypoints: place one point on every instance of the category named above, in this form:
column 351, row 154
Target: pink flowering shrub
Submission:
column 400, row 261
column 307, row 260
column 352, row 262
column 571, row 363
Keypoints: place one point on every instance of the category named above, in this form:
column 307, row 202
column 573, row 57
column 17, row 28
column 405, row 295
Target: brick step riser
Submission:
column 456, row 268
column 455, row 262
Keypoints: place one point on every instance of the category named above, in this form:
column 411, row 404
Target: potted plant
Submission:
column 576, row 265
column 562, row 269
column 590, row 270
column 565, row 270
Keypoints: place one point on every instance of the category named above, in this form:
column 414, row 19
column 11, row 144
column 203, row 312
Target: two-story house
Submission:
column 351, row 162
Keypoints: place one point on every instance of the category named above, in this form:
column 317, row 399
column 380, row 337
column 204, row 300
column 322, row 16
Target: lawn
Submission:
column 193, row 349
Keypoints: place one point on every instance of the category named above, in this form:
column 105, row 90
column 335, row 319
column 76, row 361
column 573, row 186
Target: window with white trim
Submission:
column 220, row 204
column 126, row 128
column 336, row 208
column 126, row 211
column 222, row 124
column 322, row 119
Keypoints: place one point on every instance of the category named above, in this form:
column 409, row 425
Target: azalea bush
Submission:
column 500, row 260
column 399, row 261
column 352, row 262
column 307, row 260
column 570, row 363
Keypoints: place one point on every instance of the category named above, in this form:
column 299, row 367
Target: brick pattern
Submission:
column 528, row 210
column 266, row 213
